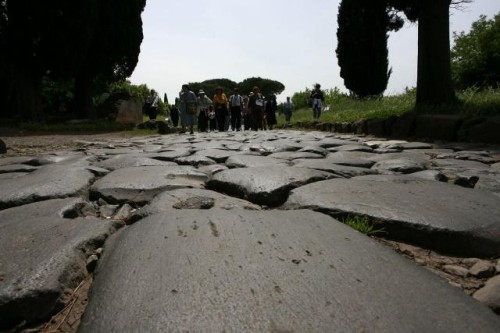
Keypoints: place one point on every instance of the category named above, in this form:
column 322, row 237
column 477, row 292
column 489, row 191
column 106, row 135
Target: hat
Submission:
column 201, row 92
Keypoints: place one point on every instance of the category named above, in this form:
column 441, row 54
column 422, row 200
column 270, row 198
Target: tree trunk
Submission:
column 434, row 84
column 27, row 96
column 84, row 105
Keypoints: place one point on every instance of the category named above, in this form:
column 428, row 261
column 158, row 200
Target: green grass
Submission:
column 471, row 102
column 363, row 225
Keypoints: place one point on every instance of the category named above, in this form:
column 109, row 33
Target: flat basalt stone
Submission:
column 41, row 255
column 432, row 214
column 141, row 184
column 267, row 185
column 267, row 271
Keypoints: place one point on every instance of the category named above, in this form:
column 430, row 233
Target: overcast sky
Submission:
column 290, row 41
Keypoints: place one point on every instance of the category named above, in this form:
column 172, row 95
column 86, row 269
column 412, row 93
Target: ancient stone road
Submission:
column 240, row 231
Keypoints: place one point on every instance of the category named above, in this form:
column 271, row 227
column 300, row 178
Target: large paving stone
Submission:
column 41, row 255
column 330, row 165
column 130, row 160
column 268, row 185
column 433, row 214
column 48, row 182
column 400, row 165
column 248, row 161
column 272, row 271
column 191, row 198
column 141, row 184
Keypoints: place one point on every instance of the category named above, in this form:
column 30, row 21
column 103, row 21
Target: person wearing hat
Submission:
column 188, row 108
column 220, row 106
column 204, row 104
column 317, row 98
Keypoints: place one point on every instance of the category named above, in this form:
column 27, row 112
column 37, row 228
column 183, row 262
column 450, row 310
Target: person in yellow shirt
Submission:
column 220, row 105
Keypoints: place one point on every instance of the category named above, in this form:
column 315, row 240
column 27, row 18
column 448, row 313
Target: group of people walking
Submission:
column 248, row 112
column 252, row 112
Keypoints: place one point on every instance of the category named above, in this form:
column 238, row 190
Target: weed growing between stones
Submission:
column 363, row 225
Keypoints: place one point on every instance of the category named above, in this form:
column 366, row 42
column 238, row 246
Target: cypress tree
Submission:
column 362, row 46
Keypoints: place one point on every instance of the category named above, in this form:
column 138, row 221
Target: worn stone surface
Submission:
column 465, row 222
column 41, row 254
column 192, row 199
column 328, row 165
column 248, row 161
column 264, row 185
column 443, row 216
column 51, row 181
column 130, row 160
column 267, row 272
column 141, row 184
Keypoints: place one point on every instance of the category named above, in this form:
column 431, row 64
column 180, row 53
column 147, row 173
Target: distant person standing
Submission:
column 288, row 109
column 220, row 106
column 174, row 115
column 317, row 98
column 204, row 104
column 236, row 105
column 151, row 106
column 188, row 108
column 271, row 108
column 256, row 108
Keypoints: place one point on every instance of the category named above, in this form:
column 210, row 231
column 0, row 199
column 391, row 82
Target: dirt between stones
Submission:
column 68, row 319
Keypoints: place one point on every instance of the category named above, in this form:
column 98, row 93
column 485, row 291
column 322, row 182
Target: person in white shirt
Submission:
column 236, row 106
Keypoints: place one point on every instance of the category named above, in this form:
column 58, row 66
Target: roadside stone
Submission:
column 482, row 269
column 456, row 270
column 123, row 212
column 212, row 169
column 107, row 211
column 490, row 294
column 91, row 263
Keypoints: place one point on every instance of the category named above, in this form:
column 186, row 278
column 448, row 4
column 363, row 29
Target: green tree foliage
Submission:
column 40, row 38
column 475, row 58
column 114, row 49
column 362, row 45
column 267, row 87
column 91, row 42
column 208, row 86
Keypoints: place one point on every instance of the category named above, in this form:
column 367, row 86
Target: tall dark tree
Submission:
column 362, row 46
column 434, row 82
column 38, row 39
column 113, row 52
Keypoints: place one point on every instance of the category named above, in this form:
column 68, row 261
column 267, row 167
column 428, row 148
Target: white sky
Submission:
column 290, row 41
